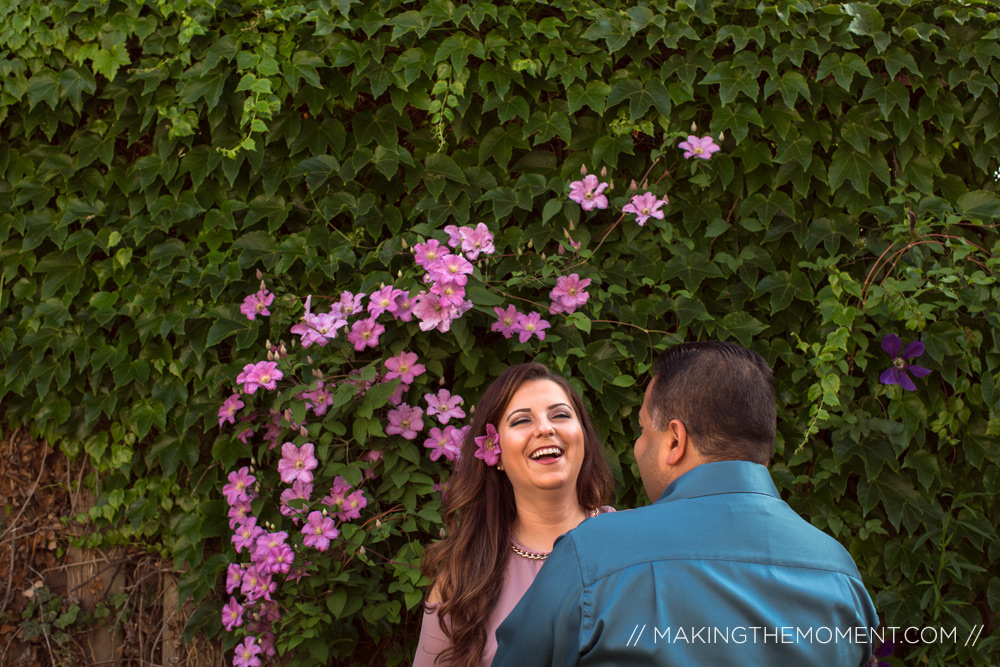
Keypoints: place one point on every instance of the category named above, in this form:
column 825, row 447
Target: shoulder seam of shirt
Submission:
column 709, row 558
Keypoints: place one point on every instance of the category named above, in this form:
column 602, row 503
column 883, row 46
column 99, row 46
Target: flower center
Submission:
column 259, row 306
column 366, row 334
column 899, row 363
column 699, row 150
column 571, row 291
column 645, row 211
column 404, row 368
column 265, row 378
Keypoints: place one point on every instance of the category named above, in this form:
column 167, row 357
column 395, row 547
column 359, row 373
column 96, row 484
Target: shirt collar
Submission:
column 719, row 477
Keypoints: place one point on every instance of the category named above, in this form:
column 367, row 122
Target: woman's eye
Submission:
column 561, row 415
column 519, row 422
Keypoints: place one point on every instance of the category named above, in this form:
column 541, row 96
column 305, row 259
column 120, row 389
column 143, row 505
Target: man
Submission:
column 719, row 570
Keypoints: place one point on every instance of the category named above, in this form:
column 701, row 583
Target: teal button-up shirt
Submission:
column 718, row 571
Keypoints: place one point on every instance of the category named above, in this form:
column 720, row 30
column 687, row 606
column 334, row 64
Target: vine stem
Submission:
column 930, row 238
column 622, row 216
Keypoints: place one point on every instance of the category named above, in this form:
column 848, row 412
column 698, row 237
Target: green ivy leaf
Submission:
column 843, row 68
column 849, row 165
column 109, row 61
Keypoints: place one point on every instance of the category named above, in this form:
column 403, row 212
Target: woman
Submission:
column 531, row 469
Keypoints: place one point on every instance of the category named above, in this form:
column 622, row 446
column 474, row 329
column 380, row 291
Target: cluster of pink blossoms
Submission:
column 510, row 321
column 447, row 274
column 446, row 442
column 271, row 555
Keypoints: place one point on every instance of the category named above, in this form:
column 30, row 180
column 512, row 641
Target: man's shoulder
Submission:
column 751, row 528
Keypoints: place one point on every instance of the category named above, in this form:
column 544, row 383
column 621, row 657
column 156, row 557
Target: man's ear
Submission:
column 675, row 444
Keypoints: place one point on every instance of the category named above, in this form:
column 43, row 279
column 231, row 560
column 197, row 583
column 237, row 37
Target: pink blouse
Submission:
column 518, row 577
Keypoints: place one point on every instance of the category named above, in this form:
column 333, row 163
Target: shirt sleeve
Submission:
column 545, row 628
column 432, row 641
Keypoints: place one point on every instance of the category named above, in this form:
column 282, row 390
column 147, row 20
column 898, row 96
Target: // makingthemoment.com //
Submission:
column 753, row 634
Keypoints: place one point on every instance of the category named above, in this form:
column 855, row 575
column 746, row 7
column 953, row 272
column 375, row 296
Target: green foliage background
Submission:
column 155, row 153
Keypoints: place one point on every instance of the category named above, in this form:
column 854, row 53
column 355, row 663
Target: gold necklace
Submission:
column 541, row 555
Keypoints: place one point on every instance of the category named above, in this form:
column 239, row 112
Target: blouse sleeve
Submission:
column 432, row 640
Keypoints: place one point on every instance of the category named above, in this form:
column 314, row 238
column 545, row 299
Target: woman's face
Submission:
column 541, row 438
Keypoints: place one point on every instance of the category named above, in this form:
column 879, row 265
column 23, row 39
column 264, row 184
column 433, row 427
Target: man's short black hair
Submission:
column 723, row 393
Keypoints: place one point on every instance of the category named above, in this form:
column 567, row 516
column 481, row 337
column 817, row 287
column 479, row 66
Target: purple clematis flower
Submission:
column 883, row 651
column 898, row 373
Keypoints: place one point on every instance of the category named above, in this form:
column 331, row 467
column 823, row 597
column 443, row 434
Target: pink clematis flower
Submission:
column 246, row 653
column 227, row 413
column 232, row 615
column 444, row 405
column 645, row 206
column 240, row 484
column 432, row 313
column 569, row 293
column 478, row 240
column 506, row 321
column 297, row 463
column 348, row 304
column 698, row 147
column 442, row 443
column 404, row 366
column 256, row 304
column 451, row 267
column 426, row 254
column 365, row 333
column 530, row 325
column 353, row 504
column 318, row 531
column 262, row 374
column 383, row 300
column 234, row 573
column 587, row 193
column 489, row 446
column 406, row 421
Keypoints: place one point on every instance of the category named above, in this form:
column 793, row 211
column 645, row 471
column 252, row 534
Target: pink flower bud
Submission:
column 583, row 170
column 604, row 172
column 633, row 185
column 694, row 127
column 259, row 275
column 303, row 432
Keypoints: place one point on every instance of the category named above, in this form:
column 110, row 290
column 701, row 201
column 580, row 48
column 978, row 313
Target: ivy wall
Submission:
column 158, row 158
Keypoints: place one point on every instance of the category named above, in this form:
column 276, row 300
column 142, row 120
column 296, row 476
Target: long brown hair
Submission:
column 468, row 566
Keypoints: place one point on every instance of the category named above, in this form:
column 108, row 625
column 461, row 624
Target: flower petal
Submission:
column 905, row 382
column 890, row 376
column 919, row 371
column 892, row 345
column 914, row 349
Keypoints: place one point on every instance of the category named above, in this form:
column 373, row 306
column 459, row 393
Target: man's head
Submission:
column 708, row 401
